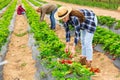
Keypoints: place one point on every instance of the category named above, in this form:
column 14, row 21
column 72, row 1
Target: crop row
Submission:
column 51, row 48
column 35, row 2
column 5, row 22
column 93, row 3
column 109, row 21
column 110, row 41
column 41, row 1
column 4, row 3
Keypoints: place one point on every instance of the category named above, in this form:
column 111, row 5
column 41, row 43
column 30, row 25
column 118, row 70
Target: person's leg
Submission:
column 83, row 33
column 83, row 56
column 52, row 19
column 89, row 48
column 88, row 44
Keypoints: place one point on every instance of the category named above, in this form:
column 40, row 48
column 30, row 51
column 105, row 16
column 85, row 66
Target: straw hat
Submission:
column 62, row 12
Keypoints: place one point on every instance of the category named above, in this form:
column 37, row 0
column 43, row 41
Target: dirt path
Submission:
column 20, row 65
column 98, row 11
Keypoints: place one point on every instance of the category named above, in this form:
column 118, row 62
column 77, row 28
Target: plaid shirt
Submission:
column 88, row 24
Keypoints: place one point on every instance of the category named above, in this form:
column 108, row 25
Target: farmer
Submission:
column 85, row 22
column 48, row 9
column 20, row 10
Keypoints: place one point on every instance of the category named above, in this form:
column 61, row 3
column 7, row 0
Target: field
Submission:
column 30, row 50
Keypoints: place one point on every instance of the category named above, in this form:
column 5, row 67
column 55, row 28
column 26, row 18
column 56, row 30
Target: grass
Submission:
column 106, row 5
column 21, row 34
column 23, row 64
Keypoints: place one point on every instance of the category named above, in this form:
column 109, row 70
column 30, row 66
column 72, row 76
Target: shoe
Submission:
column 52, row 28
column 83, row 60
column 88, row 64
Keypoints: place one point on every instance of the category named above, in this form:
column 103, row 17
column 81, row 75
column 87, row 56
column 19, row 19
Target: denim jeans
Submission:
column 86, row 41
column 52, row 19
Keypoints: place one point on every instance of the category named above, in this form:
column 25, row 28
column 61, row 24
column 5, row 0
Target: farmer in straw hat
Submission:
column 48, row 9
column 85, row 22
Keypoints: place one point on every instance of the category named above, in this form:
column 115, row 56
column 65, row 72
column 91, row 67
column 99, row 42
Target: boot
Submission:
column 83, row 60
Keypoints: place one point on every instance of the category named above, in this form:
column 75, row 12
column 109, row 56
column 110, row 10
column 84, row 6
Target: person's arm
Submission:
column 42, row 15
column 76, row 24
column 67, row 36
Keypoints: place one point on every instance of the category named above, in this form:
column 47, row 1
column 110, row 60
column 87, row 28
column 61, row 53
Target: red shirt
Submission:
column 20, row 10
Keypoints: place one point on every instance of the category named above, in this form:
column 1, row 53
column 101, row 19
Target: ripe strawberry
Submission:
column 68, row 61
column 113, row 58
column 97, row 70
column 62, row 61
column 66, row 51
column 70, row 56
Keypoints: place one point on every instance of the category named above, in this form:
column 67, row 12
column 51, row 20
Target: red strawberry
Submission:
column 66, row 51
column 63, row 61
column 113, row 58
column 97, row 70
column 69, row 61
column 70, row 56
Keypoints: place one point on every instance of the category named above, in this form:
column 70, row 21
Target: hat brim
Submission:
column 59, row 18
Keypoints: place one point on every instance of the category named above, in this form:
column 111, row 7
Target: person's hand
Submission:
column 38, row 10
column 67, row 48
column 73, row 50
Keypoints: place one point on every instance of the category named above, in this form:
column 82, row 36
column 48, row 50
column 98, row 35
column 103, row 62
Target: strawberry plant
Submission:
column 5, row 22
column 106, row 20
column 94, row 3
column 109, row 40
column 4, row 3
column 117, row 25
column 34, row 2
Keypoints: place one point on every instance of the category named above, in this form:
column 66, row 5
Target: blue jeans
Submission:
column 52, row 19
column 86, row 41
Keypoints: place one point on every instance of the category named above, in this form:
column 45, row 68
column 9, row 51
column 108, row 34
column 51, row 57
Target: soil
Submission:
column 20, row 65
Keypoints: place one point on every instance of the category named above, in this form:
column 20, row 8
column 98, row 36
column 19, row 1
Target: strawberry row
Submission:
column 4, row 3
column 5, row 22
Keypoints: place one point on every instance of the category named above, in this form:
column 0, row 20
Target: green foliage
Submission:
column 34, row 2
column 42, row 74
column 93, row 3
column 117, row 25
column 21, row 34
column 106, row 20
column 5, row 22
column 109, row 40
column 4, row 3
column 42, row 1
